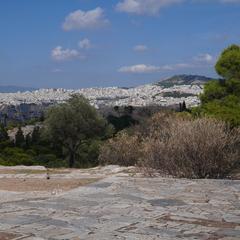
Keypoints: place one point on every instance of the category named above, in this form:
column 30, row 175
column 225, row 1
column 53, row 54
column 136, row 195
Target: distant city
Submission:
column 29, row 104
column 167, row 92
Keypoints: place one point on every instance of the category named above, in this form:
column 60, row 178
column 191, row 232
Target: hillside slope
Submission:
column 184, row 80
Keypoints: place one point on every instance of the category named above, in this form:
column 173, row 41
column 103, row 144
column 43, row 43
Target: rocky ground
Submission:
column 114, row 203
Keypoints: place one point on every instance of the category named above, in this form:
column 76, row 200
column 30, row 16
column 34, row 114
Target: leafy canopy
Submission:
column 221, row 98
column 228, row 65
column 71, row 124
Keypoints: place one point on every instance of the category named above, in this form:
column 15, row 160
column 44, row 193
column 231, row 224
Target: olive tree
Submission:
column 71, row 124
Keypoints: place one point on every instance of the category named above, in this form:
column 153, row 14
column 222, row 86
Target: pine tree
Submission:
column 5, row 120
column 35, row 135
column 180, row 107
column 3, row 133
column 28, row 140
column 184, row 107
column 19, row 138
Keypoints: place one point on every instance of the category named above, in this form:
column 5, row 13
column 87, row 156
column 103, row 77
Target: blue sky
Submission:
column 88, row 43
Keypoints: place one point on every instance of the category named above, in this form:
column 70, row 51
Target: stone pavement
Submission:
column 123, row 206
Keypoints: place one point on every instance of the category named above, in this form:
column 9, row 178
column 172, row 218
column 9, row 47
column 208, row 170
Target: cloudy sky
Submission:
column 88, row 43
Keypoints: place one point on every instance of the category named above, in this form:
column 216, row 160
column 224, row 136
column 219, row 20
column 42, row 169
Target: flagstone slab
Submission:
column 122, row 205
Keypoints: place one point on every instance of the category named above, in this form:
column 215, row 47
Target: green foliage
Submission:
column 15, row 156
column 71, row 124
column 87, row 154
column 50, row 161
column 28, row 140
column 183, row 107
column 29, row 155
column 213, row 90
column 35, row 135
column 3, row 133
column 73, row 130
column 221, row 99
column 227, row 109
column 228, row 65
column 233, row 86
column 121, row 122
column 19, row 138
column 6, row 143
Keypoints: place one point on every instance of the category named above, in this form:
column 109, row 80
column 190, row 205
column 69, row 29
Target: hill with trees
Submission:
column 184, row 80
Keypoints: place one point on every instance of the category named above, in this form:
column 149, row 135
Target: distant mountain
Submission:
column 13, row 89
column 184, row 80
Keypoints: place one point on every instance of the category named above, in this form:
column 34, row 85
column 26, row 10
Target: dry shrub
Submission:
column 122, row 150
column 202, row 148
column 177, row 145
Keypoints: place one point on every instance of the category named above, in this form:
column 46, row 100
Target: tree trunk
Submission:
column 71, row 160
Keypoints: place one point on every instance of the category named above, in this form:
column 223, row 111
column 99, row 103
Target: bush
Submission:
column 177, row 145
column 87, row 155
column 16, row 156
column 49, row 160
column 121, row 150
column 202, row 148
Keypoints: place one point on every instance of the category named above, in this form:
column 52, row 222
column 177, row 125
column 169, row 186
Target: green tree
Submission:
column 184, row 106
column 3, row 133
column 228, row 65
column 19, row 138
column 28, row 140
column 221, row 99
column 73, row 123
column 213, row 90
column 36, row 135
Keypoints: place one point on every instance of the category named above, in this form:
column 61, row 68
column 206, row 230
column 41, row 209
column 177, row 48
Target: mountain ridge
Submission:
column 184, row 79
column 14, row 89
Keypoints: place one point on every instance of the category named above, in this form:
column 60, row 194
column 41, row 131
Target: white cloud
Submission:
column 183, row 65
column 140, row 48
column 60, row 54
column 176, row 66
column 79, row 20
column 142, row 68
column 85, row 43
column 153, row 7
column 204, row 58
column 144, row 7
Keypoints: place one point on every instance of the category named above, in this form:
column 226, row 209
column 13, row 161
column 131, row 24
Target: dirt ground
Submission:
column 8, row 236
column 32, row 184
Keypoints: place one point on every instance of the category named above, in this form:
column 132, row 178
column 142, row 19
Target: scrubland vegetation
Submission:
column 178, row 145
column 202, row 142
